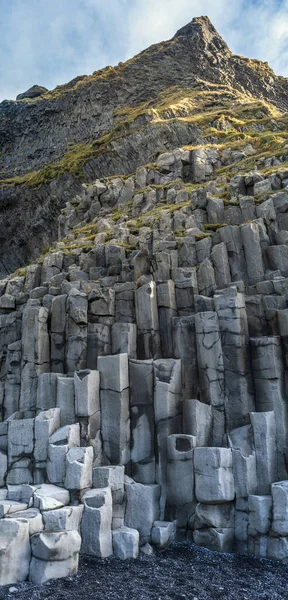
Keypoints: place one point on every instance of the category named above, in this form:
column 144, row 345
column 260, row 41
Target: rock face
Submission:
column 34, row 92
column 109, row 123
column 143, row 381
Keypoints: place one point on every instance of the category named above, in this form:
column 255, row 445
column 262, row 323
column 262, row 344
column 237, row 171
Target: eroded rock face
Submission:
column 143, row 381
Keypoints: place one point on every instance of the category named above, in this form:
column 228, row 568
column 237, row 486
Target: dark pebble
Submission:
column 181, row 572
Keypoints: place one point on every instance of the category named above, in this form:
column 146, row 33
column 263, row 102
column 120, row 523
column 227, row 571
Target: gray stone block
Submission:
column 142, row 508
column 214, row 482
column 125, row 543
column 96, row 523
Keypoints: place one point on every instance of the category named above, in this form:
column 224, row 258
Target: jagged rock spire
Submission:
column 203, row 29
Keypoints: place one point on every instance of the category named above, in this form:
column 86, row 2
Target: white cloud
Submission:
column 150, row 19
column 51, row 42
column 255, row 28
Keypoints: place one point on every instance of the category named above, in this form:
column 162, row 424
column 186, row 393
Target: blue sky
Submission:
column 51, row 41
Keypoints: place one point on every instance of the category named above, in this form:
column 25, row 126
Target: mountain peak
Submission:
column 203, row 29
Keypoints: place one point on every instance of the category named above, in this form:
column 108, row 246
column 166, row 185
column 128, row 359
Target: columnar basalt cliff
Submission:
column 143, row 382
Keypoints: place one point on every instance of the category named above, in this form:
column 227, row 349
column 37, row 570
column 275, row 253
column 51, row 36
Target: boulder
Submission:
column 67, row 518
column 279, row 493
column 55, row 545
column 125, row 543
column 14, row 550
column 32, row 515
column 96, row 523
column 34, row 92
column 48, row 497
column 142, row 508
column 219, row 540
column 42, row 571
column 260, row 515
column 79, row 468
column 163, row 533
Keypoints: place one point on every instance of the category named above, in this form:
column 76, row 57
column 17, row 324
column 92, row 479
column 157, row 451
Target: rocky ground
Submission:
column 182, row 571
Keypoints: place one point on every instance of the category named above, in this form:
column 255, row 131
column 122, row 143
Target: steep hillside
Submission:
column 37, row 132
column 109, row 123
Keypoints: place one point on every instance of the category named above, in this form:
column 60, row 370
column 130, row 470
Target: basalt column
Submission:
column 211, row 370
column 114, row 398
column 168, row 414
column 57, row 336
column 268, row 372
column 184, row 347
column 239, row 399
column 180, row 479
column 35, row 355
column 142, row 420
column 76, row 331
column 148, row 339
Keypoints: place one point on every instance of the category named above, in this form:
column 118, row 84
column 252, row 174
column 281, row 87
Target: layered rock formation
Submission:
column 143, row 383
